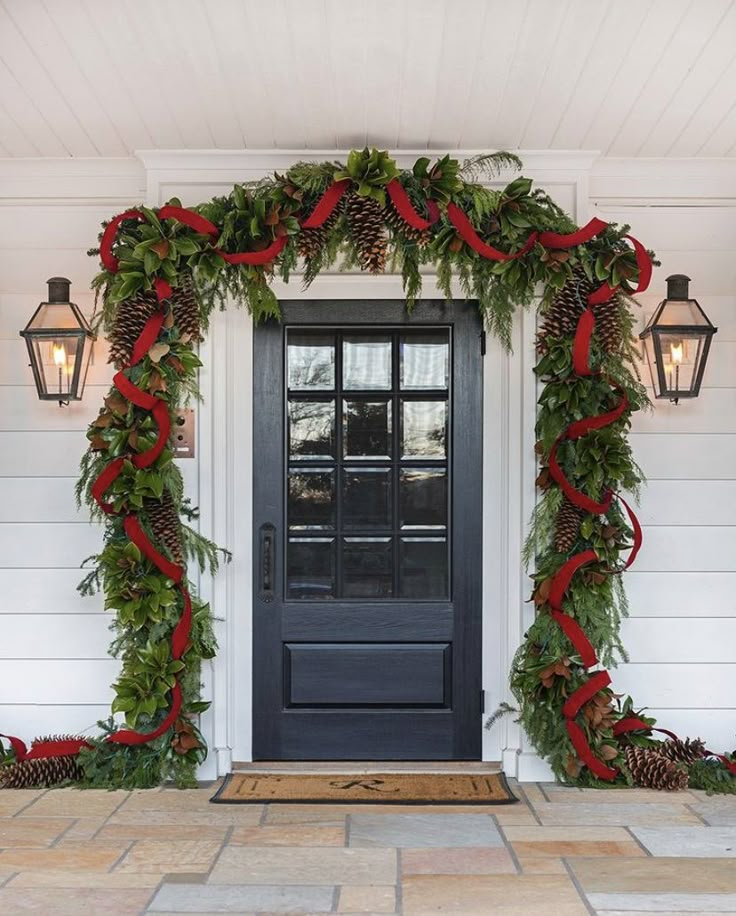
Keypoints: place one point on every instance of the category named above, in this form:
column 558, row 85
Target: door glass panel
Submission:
column 366, row 362
column 367, row 498
column 310, row 571
column 367, row 418
column 367, row 429
column 423, row 568
column 311, row 360
column 424, row 429
column 311, row 499
column 423, row 497
column 367, row 567
column 425, row 360
column 311, row 429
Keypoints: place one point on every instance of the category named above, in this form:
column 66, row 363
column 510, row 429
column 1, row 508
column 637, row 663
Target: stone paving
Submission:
column 559, row 851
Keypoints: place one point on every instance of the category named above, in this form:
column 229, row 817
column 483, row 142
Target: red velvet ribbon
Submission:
column 405, row 209
column 42, row 750
column 585, row 753
column 326, row 204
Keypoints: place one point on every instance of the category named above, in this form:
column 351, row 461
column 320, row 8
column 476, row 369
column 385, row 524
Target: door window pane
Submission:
column 424, row 429
column 367, row 498
column 425, row 359
column 311, row 499
column 366, row 362
column 311, row 429
column 423, row 568
column 367, row 568
column 367, row 429
column 423, row 496
column 310, row 571
column 311, row 360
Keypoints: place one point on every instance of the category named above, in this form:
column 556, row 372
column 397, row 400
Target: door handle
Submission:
column 267, row 554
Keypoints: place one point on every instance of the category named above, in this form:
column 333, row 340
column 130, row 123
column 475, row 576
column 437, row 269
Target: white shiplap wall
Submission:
column 681, row 635
column 682, row 632
column 56, row 673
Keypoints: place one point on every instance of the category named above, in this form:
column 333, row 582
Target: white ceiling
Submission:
column 626, row 77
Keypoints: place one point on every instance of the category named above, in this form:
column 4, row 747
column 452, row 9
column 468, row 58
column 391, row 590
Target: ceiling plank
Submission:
column 15, row 142
column 349, row 51
column 420, row 73
column 664, row 84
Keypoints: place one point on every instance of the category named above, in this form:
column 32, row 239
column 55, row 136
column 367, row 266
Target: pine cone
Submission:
column 185, row 305
column 396, row 221
column 130, row 319
column 608, row 325
column 166, row 526
column 567, row 526
column 650, row 770
column 687, row 751
column 310, row 242
column 41, row 772
column 561, row 319
column 367, row 228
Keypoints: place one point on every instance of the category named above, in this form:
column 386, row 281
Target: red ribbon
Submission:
column 467, row 233
column 584, row 752
column 42, row 750
column 326, row 204
column 405, row 209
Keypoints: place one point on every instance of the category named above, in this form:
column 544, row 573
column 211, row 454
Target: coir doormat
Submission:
column 369, row 789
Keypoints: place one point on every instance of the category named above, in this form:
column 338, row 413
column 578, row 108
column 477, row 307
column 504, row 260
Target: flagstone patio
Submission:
column 561, row 851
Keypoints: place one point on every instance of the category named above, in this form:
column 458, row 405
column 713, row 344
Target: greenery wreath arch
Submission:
column 163, row 270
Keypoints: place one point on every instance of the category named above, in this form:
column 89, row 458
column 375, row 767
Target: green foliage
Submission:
column 147, row 606
column 370, row 171
column 713, row 776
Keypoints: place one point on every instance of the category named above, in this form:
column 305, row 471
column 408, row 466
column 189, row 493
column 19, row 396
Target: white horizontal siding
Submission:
column 45, row 591
column 681, row 635
column 54, row 636
column 65, row 680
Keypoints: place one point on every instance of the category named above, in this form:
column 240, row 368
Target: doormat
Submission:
column 365, row 789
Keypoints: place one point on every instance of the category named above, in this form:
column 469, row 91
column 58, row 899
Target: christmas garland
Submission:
column 164, row 270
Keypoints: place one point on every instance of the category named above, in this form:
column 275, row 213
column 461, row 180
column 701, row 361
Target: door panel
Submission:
column 367, row 511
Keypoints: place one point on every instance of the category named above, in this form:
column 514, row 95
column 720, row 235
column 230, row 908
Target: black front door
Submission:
column 367, row 532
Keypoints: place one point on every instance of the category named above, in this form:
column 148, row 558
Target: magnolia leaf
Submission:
column 158, row 351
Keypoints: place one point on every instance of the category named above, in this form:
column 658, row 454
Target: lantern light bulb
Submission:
column 59, row 355
column 676, row 353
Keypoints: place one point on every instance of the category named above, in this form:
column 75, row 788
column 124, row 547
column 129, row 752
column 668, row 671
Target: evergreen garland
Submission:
column 146, row 606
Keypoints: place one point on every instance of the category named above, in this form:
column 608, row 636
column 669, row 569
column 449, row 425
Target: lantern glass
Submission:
column 59, row 342
column 676, row 343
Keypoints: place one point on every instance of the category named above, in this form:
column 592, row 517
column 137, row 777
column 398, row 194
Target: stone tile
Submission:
column 89, row 858
column 633, row 904
column 545, row 865
column 720, row 810
column 85, row 828
column 32, row 831
column 531, row 791
column 288, row 835
column 572, row 841
column 215, row 815
column 423, row 830
column 519, row 815
column 81, row 878
column 168, row 799
column 617, row 814
column 655, row 876
column 457, row 861
column 297, row 814
column 174, row 833
column 76, row 803
column 569, row 795
column 13, row 801
column 705, row 842
column 361, row 899
column 161, row 856
column 476, row 895
column 300, row 865
column 326, row 815
column 239, row 898
column 90, row 901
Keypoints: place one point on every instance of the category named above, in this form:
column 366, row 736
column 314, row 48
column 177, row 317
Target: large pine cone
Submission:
column 166, row 526
column 310, row 242
column 687, row 751
column 651, row 770
column 367, row 228
column 40, row 773
column 608, row 325
column 561, row 318
column 130, row 319
column 185, row 304
column 567, row 526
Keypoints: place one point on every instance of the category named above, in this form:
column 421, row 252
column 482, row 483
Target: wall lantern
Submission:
column 59, row 342
column 676, row 342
